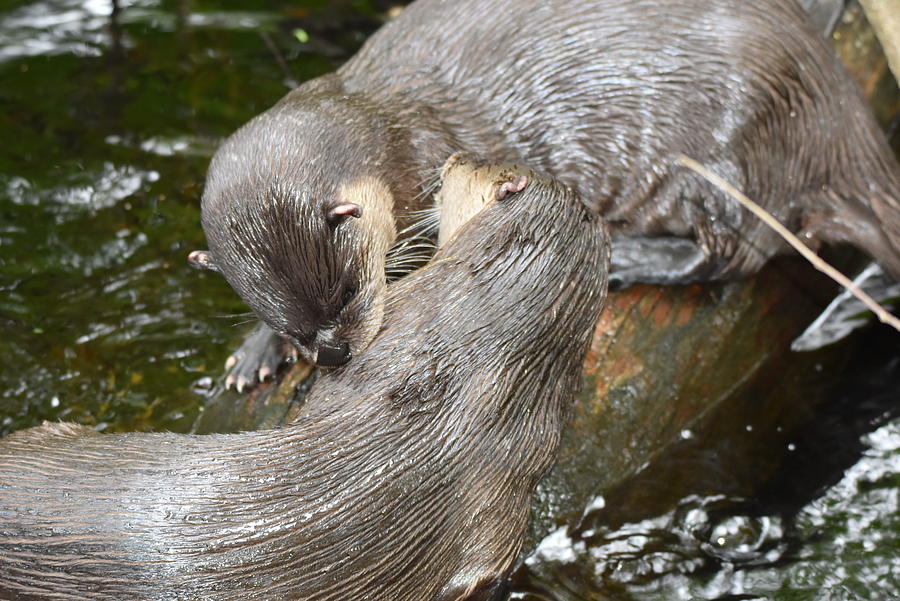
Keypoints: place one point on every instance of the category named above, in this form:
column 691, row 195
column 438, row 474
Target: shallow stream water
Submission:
column 108, row 116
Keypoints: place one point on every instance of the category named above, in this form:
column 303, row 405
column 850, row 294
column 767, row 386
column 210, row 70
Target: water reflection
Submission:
column 83, row 28
column 822, row 526
column 841, row 546
column 59, row 27
column 108, row 187
column 109, row 112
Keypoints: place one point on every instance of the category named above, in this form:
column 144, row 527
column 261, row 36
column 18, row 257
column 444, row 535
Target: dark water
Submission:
column 107, row 123
column 823, row 525
column 107, row 120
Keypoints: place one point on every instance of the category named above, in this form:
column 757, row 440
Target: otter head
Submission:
column 468, row 184
column 529, row 240
column 300, row 229
column 514, row 291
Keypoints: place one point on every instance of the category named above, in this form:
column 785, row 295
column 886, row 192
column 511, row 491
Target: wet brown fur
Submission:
column 602, row 95
column 409, row 479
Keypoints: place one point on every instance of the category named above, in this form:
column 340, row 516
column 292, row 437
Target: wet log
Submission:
column 664, row 362
column 265, row 406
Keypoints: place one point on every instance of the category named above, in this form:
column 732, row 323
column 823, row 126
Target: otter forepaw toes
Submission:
column 258, row 359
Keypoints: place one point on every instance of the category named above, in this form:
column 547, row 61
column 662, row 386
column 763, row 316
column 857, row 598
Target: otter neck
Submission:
column 517, row 388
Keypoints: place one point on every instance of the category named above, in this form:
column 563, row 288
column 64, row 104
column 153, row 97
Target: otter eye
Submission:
column 348, row 295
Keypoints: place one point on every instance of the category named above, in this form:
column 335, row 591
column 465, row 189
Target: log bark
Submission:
column 664, row 362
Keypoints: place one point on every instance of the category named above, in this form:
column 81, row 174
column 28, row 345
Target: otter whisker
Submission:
column 430, row 183
column 413, row 243
column 408, row 255
column 413, row 260
column 402, row 252
column 233, row 315
column 246, row 321
column 243, row 317
column 424, row 223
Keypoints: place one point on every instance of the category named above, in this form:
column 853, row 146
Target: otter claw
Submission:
column 258, row 359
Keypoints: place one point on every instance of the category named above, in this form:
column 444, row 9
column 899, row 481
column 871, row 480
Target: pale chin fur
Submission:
column 379, row 233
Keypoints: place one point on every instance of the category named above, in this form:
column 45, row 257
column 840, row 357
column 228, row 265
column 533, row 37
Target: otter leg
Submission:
column 656, row 260
column 259, row 357
column 853, row 225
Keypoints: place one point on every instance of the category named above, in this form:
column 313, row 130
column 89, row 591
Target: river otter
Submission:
column 302, row 203
column 409, row 479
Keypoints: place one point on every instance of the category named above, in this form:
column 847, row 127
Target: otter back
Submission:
column 602, row 95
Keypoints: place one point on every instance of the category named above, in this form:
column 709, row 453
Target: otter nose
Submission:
column 332, row 354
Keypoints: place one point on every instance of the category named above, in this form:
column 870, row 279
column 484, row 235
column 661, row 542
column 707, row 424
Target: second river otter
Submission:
column 409, row 479
column 302, row 203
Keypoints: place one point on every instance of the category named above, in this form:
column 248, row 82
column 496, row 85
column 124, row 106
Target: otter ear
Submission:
column 201, row 259
column 511, row 187
column 336, row 214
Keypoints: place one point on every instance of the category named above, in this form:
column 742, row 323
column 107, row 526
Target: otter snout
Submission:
column 332, row 354
column 326, row 349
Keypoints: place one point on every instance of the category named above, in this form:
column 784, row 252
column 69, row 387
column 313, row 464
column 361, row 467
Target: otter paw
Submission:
column 258, row 359
column 663, row 260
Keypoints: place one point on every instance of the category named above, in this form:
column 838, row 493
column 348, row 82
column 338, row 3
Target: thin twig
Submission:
column 282, row 64
column 791, row 239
